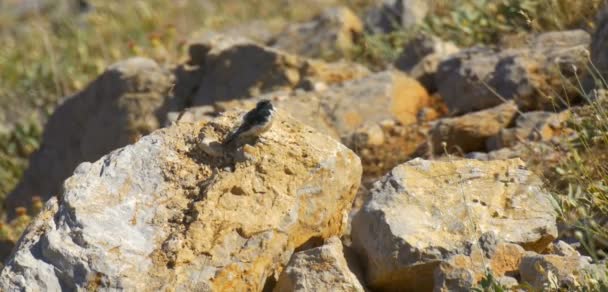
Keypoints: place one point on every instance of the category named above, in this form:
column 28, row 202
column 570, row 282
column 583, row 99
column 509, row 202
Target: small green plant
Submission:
column 582, row 178
column 472, row 22
column 490, row 284
column 378, row 50
column 15, row 148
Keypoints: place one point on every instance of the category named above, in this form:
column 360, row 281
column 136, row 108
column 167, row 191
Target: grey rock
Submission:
column 562, row 248
column 130, row 99
column 232, row 68
column 469, row 132
column 319, row 269
column 551, row 272
column 330, row 34
column 461, row 272
column 508, row 282
column 541, row 76
column 391, row 15
column 421, row 57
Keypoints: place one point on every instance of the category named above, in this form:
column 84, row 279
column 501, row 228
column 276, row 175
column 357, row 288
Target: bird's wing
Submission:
column 243, row 128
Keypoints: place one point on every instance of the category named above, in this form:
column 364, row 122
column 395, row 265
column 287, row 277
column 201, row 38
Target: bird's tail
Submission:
column 231, row 137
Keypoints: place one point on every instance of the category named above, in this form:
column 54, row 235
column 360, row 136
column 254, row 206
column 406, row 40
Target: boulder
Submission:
column 462, row 272
column 552, row 272
column 423, row 212
column 530, row 126
column 381, row 96
column 391, row 15
column 541, row 157
column 178, row 211
column 421, row 56
column 469, row 132
column 128, row 100
column 224, row 68
column 541, row 76
column 319, row 269
column 332, row 33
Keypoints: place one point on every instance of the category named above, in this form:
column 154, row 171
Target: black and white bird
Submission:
column 255, row 122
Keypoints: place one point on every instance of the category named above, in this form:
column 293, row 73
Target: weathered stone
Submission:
column 319, row 269
column 469, row 132
column 332, row 33
column 423, row 212
column 551, row 272
column 391, row 15
column 538, row 77
column 450, row 277
column 463, row 271
column 381, row 96
column 529, row 152
column 421, row 57
column 530, row 126
column 127, row 101
column 508, row 282
column 561, row 248
column 459, row 80
column 236, row 68
column 164, row 213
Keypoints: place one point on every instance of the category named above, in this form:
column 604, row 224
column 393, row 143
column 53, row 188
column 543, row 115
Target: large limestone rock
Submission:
column 540, row 76
column 384, row 95
column 127, row 101
column 332, row 33
column 319, row 269
column 469, row 132
column 177, row 211
column 225, row 68
column 423, row 212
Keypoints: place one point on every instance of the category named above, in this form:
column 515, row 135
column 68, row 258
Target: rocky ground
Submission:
column 454, row 167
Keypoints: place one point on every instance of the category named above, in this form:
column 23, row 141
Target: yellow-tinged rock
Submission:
column 165, row 214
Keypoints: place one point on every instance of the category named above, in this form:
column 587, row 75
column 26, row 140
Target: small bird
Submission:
column 255, row 122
